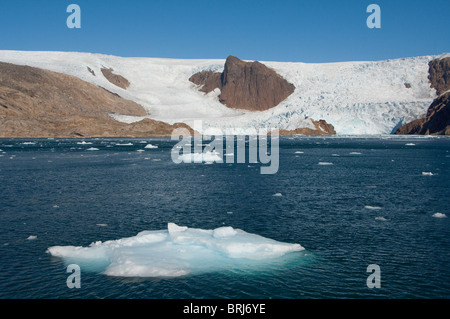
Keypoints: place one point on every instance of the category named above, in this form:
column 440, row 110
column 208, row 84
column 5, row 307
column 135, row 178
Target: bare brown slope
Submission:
column 245, row 85
column 41, row 103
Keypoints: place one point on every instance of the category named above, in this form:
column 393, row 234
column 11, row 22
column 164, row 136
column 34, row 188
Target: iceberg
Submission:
column 176, row 251
column 200, row 157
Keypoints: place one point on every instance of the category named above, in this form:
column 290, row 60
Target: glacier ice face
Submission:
column 174, row 252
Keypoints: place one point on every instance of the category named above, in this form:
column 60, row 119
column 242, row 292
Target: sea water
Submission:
column 340, row 203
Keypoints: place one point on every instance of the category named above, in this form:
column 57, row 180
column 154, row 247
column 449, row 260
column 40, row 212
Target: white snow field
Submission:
column 177, row 251
column 358, row 98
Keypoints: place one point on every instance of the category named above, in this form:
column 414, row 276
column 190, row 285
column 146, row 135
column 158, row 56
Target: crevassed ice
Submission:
column 177, row 251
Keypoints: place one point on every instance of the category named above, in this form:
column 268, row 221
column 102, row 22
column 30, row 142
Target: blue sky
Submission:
column 291, row 30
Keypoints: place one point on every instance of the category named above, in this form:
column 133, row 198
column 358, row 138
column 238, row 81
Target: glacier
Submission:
column 176, row 251
column 357, row 98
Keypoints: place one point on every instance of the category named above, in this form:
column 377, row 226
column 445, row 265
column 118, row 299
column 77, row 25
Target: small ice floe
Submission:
column 410, row 144
column 140, row 151
column 229, row 213
column 92, row 149
column 151, row 146
column 299, row 152
column 277, row 195
column 32, row 237
column 28, row 143
column 325, row 163
column 381, row 218
column 55, row 206
column 156, row 159
column 372, row 207
column 102, row 225
column 439, row 215
column 355, row 153
column 427, row 174
column 335, row 155
column 126, row 144
column 84, row 143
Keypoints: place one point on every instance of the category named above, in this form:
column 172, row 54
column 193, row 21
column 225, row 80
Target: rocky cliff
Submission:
column 437, row 119
column 245, row 85
column 40, row 103
column 439, row 74
column 436, row 122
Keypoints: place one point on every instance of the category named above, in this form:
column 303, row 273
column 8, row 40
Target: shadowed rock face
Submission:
column 245, row 85
column 40, row 103
column 436, row 122
column 439, row 74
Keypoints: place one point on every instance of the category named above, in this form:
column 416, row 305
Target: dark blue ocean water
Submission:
column 64, row 194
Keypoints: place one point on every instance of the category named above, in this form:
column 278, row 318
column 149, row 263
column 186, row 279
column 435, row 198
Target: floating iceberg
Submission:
column 151, row 146
column 439, row 215
column 200, row 157
column 177, row 251
column 372, row 207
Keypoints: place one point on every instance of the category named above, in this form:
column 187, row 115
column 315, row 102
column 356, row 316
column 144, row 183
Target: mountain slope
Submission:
column 354, row 97
column 41, row 103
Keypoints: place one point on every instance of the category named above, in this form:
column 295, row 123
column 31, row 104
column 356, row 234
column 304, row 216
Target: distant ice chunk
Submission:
column 84, row 143
column 151, row 146
column 439, row 215
column 125, row 144
column 355, row 153
column 92, row 149
column 427, row 174
column 372, row 207
column 410, row 144
column 200, row 157
column 177, row 251
column 277, row 195
column 32, row 237
column 325, row 163
column 381, row 218
column 299, row 152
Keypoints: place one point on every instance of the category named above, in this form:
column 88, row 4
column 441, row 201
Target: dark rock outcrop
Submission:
column 437, row 119
column 439, row 74
column 115, row 79
column 321, row 128
column 436, row 122
column 36, row 103
column 245, row 85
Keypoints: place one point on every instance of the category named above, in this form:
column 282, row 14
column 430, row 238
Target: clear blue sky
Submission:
column 291, row 30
